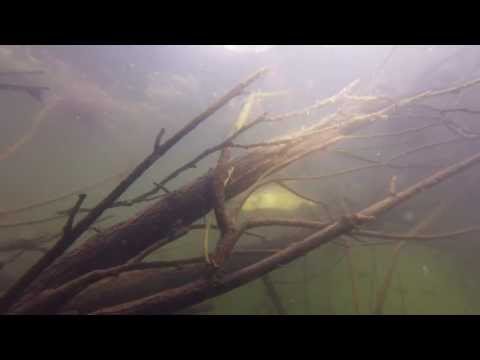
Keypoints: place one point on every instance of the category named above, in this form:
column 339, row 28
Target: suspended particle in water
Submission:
column 408, row 216
column 425, row 270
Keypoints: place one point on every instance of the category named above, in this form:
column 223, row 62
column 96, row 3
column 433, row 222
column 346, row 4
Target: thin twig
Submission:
column 26, row 244
column 273, row 295
column 348, row 255
column 69, row 224
column 64, row 196
column 416, row 237
column 384, row 288
column 32, row 222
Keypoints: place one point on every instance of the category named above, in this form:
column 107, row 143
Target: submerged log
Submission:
column 175, row 210
column 141, row 283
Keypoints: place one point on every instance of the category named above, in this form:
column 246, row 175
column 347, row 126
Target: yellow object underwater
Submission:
column 244, row 115
column 275, row 197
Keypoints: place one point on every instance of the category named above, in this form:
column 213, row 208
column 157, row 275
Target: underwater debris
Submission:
column 252, row 99
column 275, row 197
column 178, row 211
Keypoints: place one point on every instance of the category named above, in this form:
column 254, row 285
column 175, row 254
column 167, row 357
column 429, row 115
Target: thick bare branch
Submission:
column 202, row 289
column 16, row 290
column 152, row 224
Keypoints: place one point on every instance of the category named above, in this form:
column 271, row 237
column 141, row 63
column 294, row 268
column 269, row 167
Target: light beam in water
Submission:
column 248, row 48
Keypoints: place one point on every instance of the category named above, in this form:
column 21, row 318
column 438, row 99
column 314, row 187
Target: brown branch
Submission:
column 447, row 110
column 32, row 222
column 297, row 194
column 181, row 297
column 191, row 164
column 177, row 206
column 177, row 298
column 225, row 222
column 304, row 134
column 357, row 121
column 374, row 163
column 373, row 283
column 64, row 196
column 427, row 146
column 16, row 290
column 282, row 164
column 273, row 295
column 26, row 244
column 416, row 237
column 176, row 233
column 318, row 105
column 33, row 244
column 383, row 291
column 262, row 144
column 238, row 90
column 348, row 256
column 396, row 133
column 73, row 212
column 227, row 243
column 158, row 140
column 51, row 299
column 12, row 258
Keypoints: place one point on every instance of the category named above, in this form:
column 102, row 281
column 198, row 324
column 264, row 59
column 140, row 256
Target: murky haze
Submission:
column 82, row 117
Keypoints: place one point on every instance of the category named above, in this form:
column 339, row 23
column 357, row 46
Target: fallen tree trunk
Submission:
column 186, row 205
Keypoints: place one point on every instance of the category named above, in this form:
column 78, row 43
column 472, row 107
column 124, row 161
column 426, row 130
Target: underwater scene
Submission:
column 240, row 179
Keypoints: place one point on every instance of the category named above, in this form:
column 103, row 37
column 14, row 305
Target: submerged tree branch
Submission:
column 175, row 210
column 16, row 290
column 177, row 298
